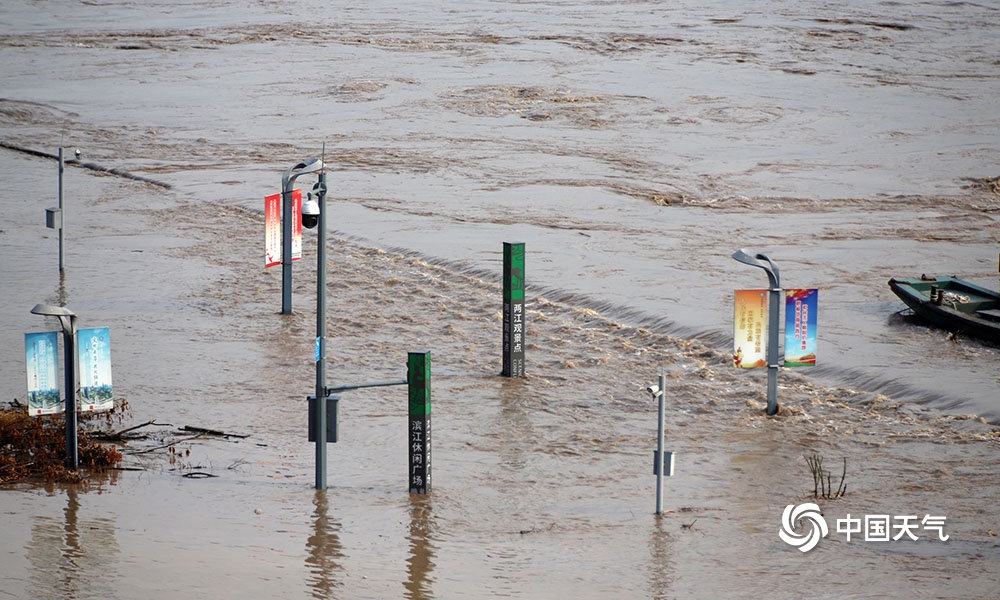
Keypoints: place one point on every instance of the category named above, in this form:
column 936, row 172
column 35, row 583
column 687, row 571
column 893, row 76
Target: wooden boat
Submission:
column 952, row 304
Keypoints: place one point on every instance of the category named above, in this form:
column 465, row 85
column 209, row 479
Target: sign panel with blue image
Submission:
column 94, row 352
column 41, row 358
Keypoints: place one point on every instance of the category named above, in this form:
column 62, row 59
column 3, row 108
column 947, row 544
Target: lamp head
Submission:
column 742, row 256
column 52, row 311
column 307, row 166
column 67, row 318
column 754, row 261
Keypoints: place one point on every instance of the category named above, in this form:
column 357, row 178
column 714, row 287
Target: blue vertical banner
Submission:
column 41, row 358
column 800, row 327
column 94, row 356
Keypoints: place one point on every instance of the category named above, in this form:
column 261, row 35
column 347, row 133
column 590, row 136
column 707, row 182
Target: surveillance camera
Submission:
column 654, row 390
column 78, row 153
column 310, row 213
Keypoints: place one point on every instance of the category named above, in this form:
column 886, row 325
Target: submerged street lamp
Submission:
column 663, row 461
column 313, row 215
column 55, row 218
column 287, row 180
column 68, row 320
column 774, row 298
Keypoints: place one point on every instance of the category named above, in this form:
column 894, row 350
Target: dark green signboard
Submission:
column 418, row 377
column 513, row 309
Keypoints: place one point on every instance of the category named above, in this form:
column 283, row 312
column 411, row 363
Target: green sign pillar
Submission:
column 418, row 378
column 513, row 309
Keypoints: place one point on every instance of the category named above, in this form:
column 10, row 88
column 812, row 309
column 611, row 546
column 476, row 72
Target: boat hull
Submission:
column 952, row 304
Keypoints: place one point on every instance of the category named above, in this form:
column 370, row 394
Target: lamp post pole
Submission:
column 67, row 319
column 286, row 245
column 69, row 352
column 321, row 391
column 774, row 307
column 62, row 214
column 659, row 445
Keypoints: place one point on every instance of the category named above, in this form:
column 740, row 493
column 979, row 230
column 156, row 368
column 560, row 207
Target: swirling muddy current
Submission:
column 541, row 485
column 632, row 146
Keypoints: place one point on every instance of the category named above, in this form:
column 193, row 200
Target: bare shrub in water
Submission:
column 823, row 480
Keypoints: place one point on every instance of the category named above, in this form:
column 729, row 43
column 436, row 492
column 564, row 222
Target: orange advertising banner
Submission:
column 750, row 329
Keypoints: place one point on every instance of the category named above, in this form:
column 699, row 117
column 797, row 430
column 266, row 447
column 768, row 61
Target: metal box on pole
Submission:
column 667, row 464
column 53, row 218
column 331, row 418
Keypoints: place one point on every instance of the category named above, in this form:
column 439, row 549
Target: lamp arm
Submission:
column 772, row 273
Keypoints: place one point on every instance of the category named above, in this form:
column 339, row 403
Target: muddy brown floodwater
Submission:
column 542, row 486
column 633, row 146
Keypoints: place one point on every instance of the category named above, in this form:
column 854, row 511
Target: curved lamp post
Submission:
column 309, row 166
column 774, row 298
column 310, row 218
column 68, row 320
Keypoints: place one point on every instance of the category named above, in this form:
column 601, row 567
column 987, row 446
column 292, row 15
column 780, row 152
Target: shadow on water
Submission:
column 325, row 550
column 75, row 554
column 420, row 563
column 661, row 564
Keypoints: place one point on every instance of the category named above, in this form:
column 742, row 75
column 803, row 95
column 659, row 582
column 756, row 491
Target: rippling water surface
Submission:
column 633, row 146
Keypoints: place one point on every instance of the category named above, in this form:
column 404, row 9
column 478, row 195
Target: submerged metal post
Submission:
column 286, row 248
column 69, row 351
column 773, row 307
column 67, row 319
column 773, row 325
column 321, row 392
column 62, row 213
column 659, row 447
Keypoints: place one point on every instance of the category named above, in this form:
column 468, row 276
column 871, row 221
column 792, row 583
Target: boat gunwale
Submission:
column 916, row 297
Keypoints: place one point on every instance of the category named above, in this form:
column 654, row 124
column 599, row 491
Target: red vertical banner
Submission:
column 272, row 230
column 296, row 224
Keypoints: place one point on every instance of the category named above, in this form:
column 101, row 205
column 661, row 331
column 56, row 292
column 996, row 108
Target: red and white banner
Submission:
column 272, row 228
column 296, row 224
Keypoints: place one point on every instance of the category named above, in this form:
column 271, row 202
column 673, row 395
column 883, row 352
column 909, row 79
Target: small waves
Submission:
column 90, row 166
